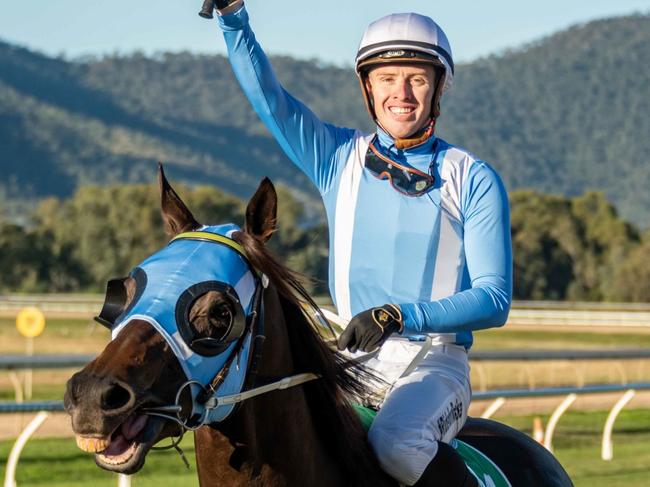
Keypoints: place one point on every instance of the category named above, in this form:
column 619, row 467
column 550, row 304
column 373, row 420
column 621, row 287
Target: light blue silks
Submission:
column 171, row 271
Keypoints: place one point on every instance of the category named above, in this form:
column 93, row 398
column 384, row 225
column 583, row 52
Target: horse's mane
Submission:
column 329, row 398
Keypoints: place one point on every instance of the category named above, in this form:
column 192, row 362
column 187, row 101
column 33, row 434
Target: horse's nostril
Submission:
column 115, row 397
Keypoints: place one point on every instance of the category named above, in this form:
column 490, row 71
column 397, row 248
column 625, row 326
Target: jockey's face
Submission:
column 401, row 95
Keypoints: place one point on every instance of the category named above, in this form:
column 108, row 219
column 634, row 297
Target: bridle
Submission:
column 207, row 400
column 207, row 404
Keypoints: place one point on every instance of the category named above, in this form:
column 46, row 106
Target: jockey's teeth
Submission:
column 92, row 445
column 400, row 110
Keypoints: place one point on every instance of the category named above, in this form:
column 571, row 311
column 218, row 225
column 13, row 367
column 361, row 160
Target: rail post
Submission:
column 607, row 451
column 493, row 408
column 34, row 424
column 123, row 480
column 555, row 417
column 482, row 377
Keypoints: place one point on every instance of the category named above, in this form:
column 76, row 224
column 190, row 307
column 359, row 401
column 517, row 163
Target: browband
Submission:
column 213, row 237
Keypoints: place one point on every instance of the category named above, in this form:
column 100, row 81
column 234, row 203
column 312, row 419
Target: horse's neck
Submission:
column 276, row 451
column 277, row 442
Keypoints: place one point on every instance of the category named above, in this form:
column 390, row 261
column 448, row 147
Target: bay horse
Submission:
column 213, row 334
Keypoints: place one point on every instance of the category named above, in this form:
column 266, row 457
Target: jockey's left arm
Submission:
column 488, row 256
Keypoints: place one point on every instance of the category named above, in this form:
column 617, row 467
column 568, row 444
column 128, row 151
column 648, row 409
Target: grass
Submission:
column 70, row 335
column 518, row 338
column 58, row 463
column 577, row 443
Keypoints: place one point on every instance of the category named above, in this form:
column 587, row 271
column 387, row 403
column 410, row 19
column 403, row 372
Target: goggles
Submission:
column 405, row 180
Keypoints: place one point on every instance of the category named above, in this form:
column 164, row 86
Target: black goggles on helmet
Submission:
column 403, row 179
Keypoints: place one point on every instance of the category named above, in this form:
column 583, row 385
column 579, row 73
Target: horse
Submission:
column 212, row 334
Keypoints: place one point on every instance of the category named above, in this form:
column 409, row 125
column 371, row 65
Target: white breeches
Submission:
column 427, row 406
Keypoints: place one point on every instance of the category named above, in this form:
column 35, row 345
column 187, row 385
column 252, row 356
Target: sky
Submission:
column 329, row 31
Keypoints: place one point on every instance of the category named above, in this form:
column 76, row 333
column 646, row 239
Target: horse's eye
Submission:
column 209, row 317
column 222, row 312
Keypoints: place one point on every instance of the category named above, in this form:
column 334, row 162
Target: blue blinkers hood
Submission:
column 164, row 276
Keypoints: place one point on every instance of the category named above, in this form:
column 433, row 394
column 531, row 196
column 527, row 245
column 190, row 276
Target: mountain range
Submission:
column 564, row 114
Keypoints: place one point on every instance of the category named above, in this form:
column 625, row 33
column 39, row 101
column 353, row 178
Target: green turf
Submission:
column 43, row 392
column 58, row 463
column 58, row 326
column 69, row 335
column 577, row 445
column 577, row 439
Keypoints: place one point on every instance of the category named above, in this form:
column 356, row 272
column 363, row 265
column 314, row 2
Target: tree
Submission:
column 29, row 262
column 110, row 229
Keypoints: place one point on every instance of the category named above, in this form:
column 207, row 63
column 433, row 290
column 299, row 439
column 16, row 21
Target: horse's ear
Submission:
column 177, row 217
column 261, row 211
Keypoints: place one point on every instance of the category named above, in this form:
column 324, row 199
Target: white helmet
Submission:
column 407, row 37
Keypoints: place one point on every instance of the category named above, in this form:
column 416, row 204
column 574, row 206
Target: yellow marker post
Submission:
column 30, row 323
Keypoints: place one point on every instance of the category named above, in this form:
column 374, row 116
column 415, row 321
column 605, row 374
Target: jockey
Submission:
column 419, row 231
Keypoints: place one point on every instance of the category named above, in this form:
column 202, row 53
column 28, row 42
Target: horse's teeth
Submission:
column 92, row 445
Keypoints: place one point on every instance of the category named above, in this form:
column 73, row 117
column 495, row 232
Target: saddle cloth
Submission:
column 485, row 470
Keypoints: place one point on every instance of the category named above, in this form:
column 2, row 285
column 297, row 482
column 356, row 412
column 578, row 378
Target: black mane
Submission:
column 329, row 398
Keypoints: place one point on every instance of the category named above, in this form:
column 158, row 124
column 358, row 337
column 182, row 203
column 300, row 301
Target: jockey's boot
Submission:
column 446, row 469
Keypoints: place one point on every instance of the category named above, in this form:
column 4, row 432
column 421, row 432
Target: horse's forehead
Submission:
column 186, row 262
column 191, row 261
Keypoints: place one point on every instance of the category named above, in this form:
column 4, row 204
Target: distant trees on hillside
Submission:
column 564, row 114
column 77, row 244
column 564, row 248
column 572, row 248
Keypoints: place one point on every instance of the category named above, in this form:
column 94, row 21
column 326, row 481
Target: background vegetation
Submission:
column 563, row 115
column 566, row 115
column 77, row 243
column 564, row 248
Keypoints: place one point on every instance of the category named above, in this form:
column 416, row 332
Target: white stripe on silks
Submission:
column 346, row 204
column 449, row 259
column 453, row 173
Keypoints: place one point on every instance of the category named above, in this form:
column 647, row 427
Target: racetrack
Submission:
column 577, row 438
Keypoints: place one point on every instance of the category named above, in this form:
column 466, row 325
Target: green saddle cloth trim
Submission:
column 484, row 469
column 366, row 415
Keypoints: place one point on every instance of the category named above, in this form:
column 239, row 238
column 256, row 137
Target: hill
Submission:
column 562, row 115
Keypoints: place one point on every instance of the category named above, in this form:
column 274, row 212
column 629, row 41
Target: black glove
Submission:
column 210, row 5
column 369, row 329
column 221, row 4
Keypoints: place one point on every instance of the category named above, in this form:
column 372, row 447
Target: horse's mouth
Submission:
column 125, row 449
